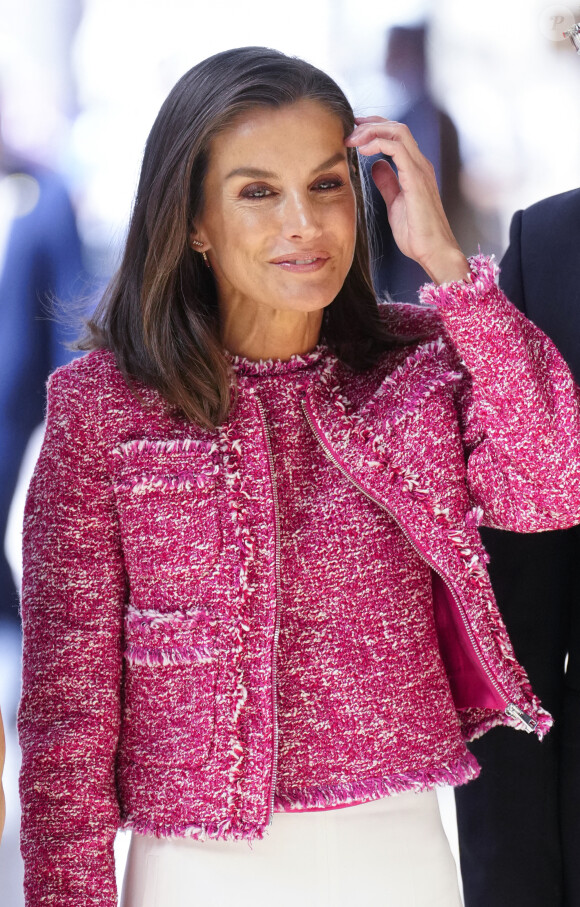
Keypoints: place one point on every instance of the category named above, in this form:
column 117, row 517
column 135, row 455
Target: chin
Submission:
column 309, row 305
column 311, row 300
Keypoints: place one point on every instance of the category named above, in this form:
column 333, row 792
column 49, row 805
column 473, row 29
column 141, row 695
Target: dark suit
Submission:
column 519, row 823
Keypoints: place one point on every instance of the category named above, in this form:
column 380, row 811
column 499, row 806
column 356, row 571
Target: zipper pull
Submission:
column 530, row 724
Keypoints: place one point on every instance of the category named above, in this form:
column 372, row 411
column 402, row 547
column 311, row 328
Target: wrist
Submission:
column 447, row 266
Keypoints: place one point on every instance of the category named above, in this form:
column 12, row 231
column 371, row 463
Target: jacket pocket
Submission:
column 170, row 523
column 171, row 669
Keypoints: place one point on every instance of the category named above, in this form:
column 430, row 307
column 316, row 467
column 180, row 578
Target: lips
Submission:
column 300, row 258
column 301, row 262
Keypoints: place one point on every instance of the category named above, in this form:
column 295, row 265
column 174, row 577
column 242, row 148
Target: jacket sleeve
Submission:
column 72, row 602
column 518, row 407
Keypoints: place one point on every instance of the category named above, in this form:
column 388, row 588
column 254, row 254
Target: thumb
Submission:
column 386, row 181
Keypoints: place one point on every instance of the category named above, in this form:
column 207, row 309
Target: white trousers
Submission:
column 388, row 852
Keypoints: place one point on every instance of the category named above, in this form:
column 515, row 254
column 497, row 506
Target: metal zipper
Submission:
column 514, row 711
column 511, row 709
column 277, row 622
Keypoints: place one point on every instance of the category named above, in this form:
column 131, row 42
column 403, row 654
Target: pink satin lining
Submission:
column 469, row 682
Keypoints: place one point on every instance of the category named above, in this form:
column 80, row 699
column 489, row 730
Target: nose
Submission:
column 300, row 218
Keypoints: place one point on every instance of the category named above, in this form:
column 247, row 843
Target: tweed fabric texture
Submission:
column 369, row 729
column 153, row 591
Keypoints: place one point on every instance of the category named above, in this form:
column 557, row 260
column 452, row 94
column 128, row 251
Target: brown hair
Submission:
column 159, row 314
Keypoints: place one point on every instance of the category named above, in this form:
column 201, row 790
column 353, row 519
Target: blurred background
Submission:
column 490, row 91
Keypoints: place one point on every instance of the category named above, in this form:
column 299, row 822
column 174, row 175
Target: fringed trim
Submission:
column 184, row 481
column 458, row 772
column 217, row 831
column 544, row 719
column 474, row 517
column 156, row 639
column 175, row 445
column 238, row 495
column 155, row 657
column 473, row 562
column 477, row 722
column 484, row 272
column 149, row 618
column 425, row 358
column 268, row 367
column 412, row 404
column 416, row 360
column 328, row 380
column 484, row 277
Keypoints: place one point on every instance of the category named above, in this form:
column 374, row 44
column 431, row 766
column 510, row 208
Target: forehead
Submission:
column 305, row 132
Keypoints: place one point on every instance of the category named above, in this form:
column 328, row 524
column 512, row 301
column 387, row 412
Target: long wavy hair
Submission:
column 159, row 315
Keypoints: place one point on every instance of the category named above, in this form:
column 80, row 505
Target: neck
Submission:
column 270, row 333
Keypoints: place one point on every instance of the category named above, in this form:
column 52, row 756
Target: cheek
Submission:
column 246, row 234
column 345, row 220
column 348, row 235
column 238, row 261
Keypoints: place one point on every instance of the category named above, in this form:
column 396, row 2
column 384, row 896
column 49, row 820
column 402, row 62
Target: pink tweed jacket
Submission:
column 151, row 571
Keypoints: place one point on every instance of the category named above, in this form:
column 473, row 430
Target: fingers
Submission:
column 380, row 126
column 386, row 181
column 414, row 207
column 372, row 119
column 378, row 136
column 375, row 135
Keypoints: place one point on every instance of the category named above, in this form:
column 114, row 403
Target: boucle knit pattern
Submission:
column 152, row 589
column 371, row 728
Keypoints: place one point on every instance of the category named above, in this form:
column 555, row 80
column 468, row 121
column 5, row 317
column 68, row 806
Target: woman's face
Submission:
column 279, row 217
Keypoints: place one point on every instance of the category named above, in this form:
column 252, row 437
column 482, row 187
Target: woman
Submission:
column 254, row 590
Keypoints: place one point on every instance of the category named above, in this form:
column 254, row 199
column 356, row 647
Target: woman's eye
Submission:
column 256, row 192
column 328, row 184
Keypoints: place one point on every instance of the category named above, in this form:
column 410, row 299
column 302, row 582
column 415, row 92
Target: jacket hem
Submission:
column 476, row 722
column 460, row 771
column 213, row 831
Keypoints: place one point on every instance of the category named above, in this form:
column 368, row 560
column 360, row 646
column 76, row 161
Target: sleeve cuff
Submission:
column 484, row 277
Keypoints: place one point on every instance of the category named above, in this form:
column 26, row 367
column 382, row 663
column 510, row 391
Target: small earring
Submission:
column 198, row 242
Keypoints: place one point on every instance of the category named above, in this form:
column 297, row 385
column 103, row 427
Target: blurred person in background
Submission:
column 434, row 131
column 41, row 271
column 254, row 590
column 519, row 823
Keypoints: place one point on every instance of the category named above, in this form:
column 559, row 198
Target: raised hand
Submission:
column 416, row 216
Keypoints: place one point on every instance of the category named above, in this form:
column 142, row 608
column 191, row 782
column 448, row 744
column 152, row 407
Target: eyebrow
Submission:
column 255, row 174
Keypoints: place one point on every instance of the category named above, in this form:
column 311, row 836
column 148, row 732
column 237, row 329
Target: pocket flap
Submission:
column 155, row 638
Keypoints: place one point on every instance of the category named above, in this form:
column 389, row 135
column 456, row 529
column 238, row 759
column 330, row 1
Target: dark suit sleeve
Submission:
column 511, row 278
